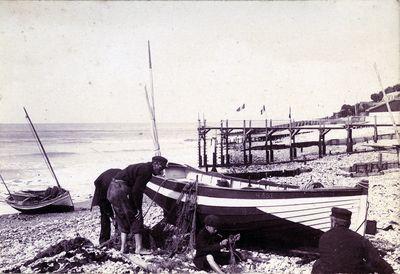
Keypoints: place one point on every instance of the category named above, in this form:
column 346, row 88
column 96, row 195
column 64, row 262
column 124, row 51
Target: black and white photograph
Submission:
column 200, row 136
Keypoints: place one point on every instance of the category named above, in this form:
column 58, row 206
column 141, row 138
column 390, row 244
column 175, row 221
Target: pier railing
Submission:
column 255, row 142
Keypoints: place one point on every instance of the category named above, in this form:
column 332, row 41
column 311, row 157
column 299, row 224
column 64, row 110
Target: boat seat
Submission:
column 25, row 194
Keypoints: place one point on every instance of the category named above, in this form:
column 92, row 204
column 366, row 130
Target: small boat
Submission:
column 41, row 201
column 53, row 199
column 259, row 207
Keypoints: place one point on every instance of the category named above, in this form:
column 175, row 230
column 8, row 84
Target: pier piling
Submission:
column 256, row 145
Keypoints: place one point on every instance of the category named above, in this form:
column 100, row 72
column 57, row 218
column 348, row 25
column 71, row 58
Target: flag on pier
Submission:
column 262, row 110
column 241, row 107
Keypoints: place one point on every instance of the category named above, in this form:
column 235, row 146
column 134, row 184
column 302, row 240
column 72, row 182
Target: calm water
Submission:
column 80, row 152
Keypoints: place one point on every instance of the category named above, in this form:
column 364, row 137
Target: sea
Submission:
column 79, row 153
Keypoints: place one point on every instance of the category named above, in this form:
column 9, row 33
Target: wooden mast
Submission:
column 42, row 149
column 387, row 104
column 151, row 105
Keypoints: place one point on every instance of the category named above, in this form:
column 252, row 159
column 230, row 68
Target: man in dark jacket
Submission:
column 100, row 199
column 126, row 195
column 208, row 247
column 344, row 251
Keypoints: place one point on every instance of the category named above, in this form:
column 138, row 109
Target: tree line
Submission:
column 350, row 110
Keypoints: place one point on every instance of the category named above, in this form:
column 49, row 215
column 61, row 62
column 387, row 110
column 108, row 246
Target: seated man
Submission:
column 344, row 251
column 208, row 247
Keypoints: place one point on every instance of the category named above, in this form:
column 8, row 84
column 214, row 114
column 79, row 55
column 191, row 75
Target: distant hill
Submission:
column 361, row 107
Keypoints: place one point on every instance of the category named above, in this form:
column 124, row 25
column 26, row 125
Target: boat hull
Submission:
column 256, row 210
column 61, row 203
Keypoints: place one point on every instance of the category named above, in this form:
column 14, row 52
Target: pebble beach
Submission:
column 24, row 236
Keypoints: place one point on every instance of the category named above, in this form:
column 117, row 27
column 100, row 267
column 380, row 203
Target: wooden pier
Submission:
column 256, row 142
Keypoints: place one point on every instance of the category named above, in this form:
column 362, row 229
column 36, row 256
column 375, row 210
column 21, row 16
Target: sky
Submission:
column 84, row 62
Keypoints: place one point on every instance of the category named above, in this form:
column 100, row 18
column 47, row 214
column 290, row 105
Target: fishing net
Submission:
column 65, row 256
column 183, row 236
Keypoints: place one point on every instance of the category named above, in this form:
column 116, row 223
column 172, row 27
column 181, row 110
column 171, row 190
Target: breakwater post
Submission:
column 349, row 140
column 375, row 130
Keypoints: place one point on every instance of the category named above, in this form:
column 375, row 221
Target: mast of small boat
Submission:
column 151, row 105
column 5, row 185
column 42, row 148
column 387, row 104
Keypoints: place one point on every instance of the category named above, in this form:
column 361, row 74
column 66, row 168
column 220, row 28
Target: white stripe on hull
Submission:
column 311, row 211
column 272, row 203
column 314, row 206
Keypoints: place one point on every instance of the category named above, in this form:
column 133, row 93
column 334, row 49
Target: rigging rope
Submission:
column 152, row 199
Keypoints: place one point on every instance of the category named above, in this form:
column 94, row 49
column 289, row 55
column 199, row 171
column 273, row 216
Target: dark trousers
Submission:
column 106, row 213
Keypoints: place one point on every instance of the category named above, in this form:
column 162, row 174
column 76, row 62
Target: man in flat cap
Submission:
column 344, row 251
column 126, row 195
column 208, row 247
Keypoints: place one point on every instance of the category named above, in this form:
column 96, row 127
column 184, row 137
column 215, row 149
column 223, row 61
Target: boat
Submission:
column 52, row 199
column 259, row 208
column 41, row 201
